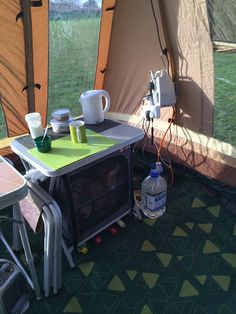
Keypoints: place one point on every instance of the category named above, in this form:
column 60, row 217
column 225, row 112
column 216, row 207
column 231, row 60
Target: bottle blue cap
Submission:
column 154, row 173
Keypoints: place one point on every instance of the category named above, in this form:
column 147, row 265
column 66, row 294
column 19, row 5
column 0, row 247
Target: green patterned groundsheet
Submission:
column 183, row 262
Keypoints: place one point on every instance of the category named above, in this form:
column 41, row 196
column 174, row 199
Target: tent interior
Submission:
column 53, row 51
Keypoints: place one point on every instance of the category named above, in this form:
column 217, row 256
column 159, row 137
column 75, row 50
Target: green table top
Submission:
column 64, row 152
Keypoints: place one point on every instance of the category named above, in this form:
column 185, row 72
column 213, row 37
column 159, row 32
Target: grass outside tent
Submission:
column 225, row 97
column 73, row 56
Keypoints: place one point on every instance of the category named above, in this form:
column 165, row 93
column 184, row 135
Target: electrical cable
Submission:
column 162, row 140
column 169, row 166
column 159, row 158
column 146, row 139
column 143, row 143
column 137, row 144
column 152, row 133
column 168, row 64
column 164, row 51
column 157, row 27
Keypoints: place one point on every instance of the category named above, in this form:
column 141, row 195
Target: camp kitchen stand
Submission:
column 82, row 215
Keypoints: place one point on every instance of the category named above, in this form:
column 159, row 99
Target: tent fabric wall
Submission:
column 134, row 50
column 206, row 155
column 12, row 68
column 15, row 65
column 187, row 28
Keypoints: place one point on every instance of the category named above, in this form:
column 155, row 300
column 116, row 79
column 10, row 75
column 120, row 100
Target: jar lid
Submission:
column 61, row 114
column 62, row 122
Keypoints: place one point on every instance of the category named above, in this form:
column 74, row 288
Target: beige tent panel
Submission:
column 207, row 155
column 12, row 68
column 134, row 51
column 186, row 25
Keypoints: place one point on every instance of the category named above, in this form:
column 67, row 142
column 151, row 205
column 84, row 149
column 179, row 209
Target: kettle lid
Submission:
column 90, row 93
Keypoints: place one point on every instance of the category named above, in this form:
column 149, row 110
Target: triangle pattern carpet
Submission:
column 182, row 262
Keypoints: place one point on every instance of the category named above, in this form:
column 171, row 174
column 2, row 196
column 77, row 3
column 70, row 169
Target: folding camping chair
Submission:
column 39, row 205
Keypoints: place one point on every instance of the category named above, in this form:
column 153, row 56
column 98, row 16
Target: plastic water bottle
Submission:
column 153, row 195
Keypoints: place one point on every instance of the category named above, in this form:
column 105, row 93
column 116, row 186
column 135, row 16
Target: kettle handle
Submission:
column 108, row 100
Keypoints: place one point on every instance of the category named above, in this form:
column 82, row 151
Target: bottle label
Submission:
column 156, row 202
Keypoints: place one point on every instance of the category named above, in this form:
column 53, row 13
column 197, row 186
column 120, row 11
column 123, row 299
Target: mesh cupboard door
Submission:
column 101, row 193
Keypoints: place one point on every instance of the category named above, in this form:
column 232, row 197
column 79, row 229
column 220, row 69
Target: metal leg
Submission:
column 48, row 249
column 52, row 220
column 68, row 253
column 57, row 245
column 27, row 250
column 16, row 236
column 66, row 250
column 25, row 164
column 137, row 212
column 53, row 242
column 4, row 241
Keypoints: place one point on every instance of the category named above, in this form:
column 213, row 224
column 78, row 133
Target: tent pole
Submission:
column 27, row 23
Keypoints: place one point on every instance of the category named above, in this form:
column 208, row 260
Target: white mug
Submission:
column 92, row 105
column 33, row 120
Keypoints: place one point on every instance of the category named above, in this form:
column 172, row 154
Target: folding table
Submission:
column 13, row 188
column 120, row 135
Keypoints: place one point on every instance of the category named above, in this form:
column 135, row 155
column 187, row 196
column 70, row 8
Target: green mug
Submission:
column 78, row 132
column 43, row 143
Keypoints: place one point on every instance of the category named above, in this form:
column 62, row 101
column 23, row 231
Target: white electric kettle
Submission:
column 92, row 105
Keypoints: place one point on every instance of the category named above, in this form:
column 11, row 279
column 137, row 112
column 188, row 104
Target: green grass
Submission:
column 225, row 97
column 72, row 65
column 72, row 57
column 3, row 131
